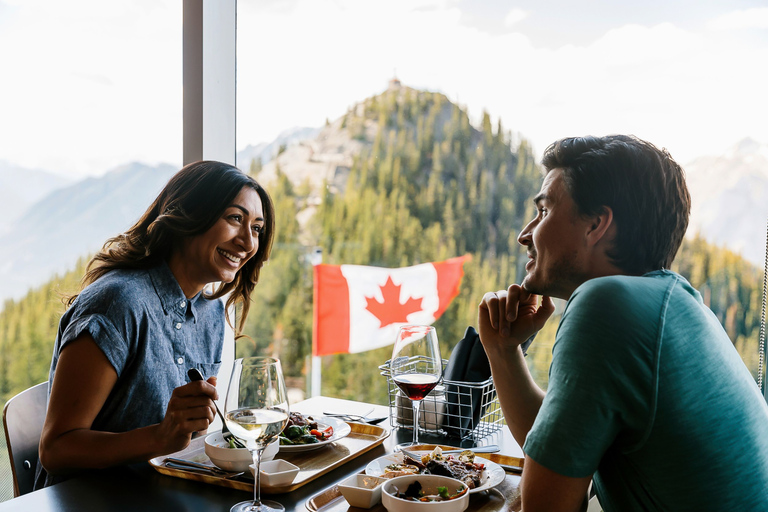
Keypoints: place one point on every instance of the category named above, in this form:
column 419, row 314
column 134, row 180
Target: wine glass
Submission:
column 416, row 367
column 256, row 412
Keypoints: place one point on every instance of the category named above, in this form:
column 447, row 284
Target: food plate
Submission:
column 340, row 430
column 492, row 475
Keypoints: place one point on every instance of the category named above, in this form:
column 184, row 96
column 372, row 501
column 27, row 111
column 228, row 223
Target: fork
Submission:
column 355, row 417
column 491, row 448
column 194, row 374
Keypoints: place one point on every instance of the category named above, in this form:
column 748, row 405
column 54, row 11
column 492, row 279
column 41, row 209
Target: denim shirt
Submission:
column 151, row 334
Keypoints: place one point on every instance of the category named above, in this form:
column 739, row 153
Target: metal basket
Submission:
column 464, row 410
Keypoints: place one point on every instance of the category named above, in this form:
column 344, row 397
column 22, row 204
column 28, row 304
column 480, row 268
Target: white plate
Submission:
column 340, row 430
column 492, row 475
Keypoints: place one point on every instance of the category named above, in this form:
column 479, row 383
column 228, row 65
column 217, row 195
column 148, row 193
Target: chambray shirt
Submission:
column 151, row 334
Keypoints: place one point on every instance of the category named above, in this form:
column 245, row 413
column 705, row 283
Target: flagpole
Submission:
column 316, row 376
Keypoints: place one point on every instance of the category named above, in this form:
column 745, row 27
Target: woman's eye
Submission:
column 257, row 229
column 543, row 212
column 236, row 217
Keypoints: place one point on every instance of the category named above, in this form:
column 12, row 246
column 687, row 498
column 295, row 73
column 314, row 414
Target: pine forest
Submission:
column 426, row 186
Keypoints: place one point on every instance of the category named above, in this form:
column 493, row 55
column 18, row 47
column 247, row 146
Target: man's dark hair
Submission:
column 643, row 186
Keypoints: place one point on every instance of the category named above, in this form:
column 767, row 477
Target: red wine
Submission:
column 416, row 385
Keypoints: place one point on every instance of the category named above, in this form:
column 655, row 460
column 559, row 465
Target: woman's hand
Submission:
column 509, row 317
column 190, row 410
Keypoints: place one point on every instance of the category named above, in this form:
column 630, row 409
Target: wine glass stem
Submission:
column 416, row 405
column 257, row 478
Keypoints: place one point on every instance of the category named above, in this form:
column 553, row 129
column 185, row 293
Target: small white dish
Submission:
column 234, row 459
column 429, row 484
column 361, row 491
column 276, row 472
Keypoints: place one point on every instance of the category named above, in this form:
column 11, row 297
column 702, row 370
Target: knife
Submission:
column 196, row 467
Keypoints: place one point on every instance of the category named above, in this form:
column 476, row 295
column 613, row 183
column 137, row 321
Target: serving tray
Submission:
column 503, row 497
column 312, row 464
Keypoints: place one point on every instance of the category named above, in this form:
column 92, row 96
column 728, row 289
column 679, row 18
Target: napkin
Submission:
column 467, row 363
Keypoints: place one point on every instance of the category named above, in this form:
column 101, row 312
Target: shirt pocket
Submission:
column 209, row 369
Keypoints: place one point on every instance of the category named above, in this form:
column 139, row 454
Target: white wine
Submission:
column 259, row 425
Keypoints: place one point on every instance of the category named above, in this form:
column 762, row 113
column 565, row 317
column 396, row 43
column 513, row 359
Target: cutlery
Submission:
column 355, row 417
column 194, row 374
column 196, row 467
column 491, row 448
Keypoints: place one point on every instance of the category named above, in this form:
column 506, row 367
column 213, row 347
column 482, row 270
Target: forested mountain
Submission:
column 403, row 178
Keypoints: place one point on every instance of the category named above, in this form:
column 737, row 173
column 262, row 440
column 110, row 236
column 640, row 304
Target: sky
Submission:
column 88, row 85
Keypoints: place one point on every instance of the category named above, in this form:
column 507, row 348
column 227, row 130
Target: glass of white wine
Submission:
column 257, row 410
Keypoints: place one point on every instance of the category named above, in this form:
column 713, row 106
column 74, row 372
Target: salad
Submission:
column 414, row 492
column 304, row 430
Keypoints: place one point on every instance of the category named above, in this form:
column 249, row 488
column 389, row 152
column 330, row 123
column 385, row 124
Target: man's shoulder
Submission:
column 624, row 286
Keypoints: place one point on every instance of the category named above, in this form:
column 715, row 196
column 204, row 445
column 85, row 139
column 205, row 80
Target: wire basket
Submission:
column 465, row 410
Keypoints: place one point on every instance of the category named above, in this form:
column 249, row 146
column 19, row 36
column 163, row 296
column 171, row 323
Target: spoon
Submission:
column 194, row 374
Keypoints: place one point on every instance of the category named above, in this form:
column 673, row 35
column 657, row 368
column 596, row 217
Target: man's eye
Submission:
column 543, row 212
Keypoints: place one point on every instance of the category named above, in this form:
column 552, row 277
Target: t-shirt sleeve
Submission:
column 109, row 319
column 601, row 387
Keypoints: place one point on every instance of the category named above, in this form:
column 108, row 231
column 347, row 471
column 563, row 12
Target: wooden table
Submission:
column 139, row 487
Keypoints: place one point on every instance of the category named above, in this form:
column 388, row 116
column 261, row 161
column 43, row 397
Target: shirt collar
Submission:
column 169, row 291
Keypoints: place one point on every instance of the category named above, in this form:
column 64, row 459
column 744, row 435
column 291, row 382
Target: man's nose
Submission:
column 524, row 238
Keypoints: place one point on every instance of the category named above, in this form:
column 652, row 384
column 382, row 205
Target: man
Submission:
column 647, row 396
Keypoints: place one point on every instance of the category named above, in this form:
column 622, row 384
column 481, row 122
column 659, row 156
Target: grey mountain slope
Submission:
column 73, row 222
column 20, row 187
column 729, row 199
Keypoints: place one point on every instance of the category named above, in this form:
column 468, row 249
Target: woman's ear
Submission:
column 602, row 227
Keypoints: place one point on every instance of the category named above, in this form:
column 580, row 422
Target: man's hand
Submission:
column 512, row 316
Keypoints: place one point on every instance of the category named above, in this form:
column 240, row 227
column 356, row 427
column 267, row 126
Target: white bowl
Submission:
column 361, row 491
column 234, row 459
column 276, row 472
column 429, row 484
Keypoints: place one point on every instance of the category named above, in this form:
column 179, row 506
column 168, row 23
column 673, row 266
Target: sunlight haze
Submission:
column 90, row 85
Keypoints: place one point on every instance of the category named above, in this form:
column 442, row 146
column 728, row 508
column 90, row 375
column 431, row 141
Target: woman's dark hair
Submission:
column 192, row 201
column 643, row 186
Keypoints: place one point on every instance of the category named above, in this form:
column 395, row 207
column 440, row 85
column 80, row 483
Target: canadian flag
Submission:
column 359, row 308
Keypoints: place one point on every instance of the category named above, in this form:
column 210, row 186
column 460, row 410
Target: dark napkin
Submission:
column 468, row 363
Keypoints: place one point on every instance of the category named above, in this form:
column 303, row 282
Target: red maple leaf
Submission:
column 391, row 311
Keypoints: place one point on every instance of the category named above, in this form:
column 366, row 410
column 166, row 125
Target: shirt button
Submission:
column 178, row 325
column 183, row 304
column 180, row 360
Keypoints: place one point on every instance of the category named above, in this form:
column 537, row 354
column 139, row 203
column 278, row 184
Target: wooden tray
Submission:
column 503, row 497
column 312, row 464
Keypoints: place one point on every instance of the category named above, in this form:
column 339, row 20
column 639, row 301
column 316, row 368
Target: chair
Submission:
column 23, row 417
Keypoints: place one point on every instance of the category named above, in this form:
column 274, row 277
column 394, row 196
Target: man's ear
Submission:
column 601, row 227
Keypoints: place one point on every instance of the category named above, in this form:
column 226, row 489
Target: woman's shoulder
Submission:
column 119, row 286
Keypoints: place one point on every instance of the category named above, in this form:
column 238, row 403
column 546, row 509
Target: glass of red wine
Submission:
column 416, row 367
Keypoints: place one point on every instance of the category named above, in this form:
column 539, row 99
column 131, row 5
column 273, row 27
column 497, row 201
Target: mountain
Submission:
column 72, row 222
column 729, row 199
column 266, row 151
column 20, row 187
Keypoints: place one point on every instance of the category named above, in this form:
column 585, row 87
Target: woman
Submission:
column 119, row 391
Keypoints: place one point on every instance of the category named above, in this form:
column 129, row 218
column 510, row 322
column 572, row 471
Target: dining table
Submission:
column 140, row 487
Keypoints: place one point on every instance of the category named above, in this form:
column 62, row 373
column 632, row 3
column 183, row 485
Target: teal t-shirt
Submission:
column 647, row 393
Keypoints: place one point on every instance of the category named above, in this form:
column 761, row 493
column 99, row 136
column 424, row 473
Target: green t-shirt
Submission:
column 647, row 393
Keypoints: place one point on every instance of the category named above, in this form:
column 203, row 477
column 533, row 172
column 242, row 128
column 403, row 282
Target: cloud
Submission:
column 107, row 81
column 514, row 16
column 743, row 19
